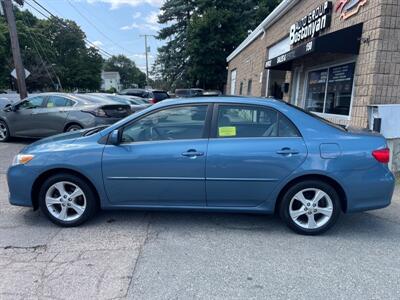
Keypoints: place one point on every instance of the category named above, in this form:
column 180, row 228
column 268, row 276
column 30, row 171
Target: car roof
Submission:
column 221, row 99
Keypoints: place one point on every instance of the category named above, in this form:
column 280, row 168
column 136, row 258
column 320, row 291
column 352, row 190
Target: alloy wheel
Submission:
column 3, row 131
column 65, row 201
column 311, row 208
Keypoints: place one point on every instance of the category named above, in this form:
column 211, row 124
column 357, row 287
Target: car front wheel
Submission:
column 310, row 207
column 67, row 200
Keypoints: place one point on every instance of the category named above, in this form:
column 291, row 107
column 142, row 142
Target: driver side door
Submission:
column 23, row 120
column 161, row 160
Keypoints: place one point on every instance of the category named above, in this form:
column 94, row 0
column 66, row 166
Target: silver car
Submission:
column 48, row 114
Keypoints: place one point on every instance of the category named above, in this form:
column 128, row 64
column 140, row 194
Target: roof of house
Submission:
column 274, row 16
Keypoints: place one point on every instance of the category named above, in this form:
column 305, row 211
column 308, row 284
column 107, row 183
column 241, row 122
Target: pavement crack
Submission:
column 28, row 248
column 146, row 239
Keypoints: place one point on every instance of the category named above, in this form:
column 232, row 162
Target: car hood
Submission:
column 54, row 142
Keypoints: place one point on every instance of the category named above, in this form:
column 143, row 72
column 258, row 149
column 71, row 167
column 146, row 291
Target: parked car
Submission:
column 153, row 96
column 208, row 154
column 188, row 93
column 48, row 114
column 136, row 103
column 212, row 93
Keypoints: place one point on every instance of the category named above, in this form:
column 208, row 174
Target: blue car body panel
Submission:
column 233, row 175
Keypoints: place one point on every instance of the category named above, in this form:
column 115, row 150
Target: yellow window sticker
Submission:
column 227, row 131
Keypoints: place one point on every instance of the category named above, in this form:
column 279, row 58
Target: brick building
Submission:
column 333, row 58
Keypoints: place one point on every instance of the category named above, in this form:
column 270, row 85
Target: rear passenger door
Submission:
column 252, row 149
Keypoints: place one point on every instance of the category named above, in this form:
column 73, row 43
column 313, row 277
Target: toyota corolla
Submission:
column 208, row 154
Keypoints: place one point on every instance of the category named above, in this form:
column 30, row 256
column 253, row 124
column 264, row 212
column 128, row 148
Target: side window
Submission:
column 56, row 101
column 176, row 123
column 287, row 128
column 246, row 121
column 32, row 103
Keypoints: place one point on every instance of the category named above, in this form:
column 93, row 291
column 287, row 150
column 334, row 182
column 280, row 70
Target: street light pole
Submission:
column 16, row 52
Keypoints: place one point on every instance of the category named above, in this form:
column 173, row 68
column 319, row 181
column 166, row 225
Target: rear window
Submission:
column 159, row 96
column 342, row 128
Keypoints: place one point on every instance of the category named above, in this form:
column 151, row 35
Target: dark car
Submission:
column 153, row 96
column 48, row 114
column 188, row 93
column 136, row 103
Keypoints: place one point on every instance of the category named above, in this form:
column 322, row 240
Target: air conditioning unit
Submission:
column 385, row 119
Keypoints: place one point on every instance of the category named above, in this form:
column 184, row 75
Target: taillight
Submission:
column 153, row 101
column 383, row 155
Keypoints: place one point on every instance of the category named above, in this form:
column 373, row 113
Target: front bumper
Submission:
column 20, row 182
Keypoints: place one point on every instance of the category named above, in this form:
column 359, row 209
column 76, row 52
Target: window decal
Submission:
column 227, row 131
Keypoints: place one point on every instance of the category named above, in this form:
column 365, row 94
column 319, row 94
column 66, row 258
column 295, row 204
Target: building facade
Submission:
column 110, row 80
column 334, row 58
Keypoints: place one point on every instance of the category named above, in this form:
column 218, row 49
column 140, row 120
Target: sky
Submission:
column 113, row 25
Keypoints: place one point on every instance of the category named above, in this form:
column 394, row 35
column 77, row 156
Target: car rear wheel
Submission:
column 74, row 127
column 4, row 132
column 310, row 207
column 67, row 200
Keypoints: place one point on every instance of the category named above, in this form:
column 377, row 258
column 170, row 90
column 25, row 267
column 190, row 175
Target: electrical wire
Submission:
column 38, row 52
column 64, row 25
column 95, row 27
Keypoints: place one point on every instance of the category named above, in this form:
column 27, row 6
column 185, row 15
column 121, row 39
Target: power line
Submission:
column 94, row 26
column 25, row 20
column 64, row 25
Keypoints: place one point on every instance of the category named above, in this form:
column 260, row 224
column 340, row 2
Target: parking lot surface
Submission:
column 159, row 255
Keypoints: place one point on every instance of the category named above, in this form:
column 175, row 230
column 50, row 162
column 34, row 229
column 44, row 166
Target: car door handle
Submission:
column 192, row 153
column 287, row 151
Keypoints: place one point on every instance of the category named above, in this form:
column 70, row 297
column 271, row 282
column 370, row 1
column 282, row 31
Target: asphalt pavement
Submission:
column 159, row 255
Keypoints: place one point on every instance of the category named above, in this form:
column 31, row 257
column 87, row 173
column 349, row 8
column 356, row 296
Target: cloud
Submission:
column 149, row 23
column 137, row 15
column 115, row 4
column 130, row 27
column 97, row 44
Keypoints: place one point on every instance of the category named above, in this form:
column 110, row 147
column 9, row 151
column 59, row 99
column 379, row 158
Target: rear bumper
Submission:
column 105, row 121
column 20, row 182
column 368, row 189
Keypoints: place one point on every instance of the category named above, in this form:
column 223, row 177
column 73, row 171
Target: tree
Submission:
column 129, row 72
column 200, row 35
column 52, row 50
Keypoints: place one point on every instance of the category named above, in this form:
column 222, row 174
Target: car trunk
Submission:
column 117, row 110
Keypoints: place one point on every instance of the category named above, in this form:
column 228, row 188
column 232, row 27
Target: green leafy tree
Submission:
column 200, row 34
column 129, row 72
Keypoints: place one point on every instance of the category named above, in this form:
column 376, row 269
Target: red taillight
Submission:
column 383, row 155
column 153, row 101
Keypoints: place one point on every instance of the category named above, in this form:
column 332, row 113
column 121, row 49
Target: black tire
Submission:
column 284, row 208
column 5, row 134
column 89, row 194
column 73, row 127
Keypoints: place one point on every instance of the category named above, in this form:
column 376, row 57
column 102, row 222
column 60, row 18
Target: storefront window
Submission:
column 330, row 90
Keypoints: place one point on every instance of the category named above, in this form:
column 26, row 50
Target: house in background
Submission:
column 110, row 80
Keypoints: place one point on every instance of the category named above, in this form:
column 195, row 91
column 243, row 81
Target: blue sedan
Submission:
column 224, row 154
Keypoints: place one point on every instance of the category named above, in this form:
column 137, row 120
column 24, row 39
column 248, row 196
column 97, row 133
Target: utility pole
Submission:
column 146, row 49
column 12, row 27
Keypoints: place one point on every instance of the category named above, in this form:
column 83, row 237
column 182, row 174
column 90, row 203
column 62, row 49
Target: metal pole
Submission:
column 19, row 67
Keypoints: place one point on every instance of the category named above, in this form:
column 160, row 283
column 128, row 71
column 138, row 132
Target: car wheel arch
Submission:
column 319, row 177
column 71, row 124
column 47, row 174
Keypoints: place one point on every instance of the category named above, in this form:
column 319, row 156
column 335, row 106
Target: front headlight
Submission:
column 22, row 159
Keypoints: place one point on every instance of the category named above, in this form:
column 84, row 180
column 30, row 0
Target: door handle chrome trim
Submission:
column 287, row 152
column 192, row 153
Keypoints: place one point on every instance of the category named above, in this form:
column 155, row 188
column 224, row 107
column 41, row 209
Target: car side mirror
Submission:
column 114, row 138
column 9, row 108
